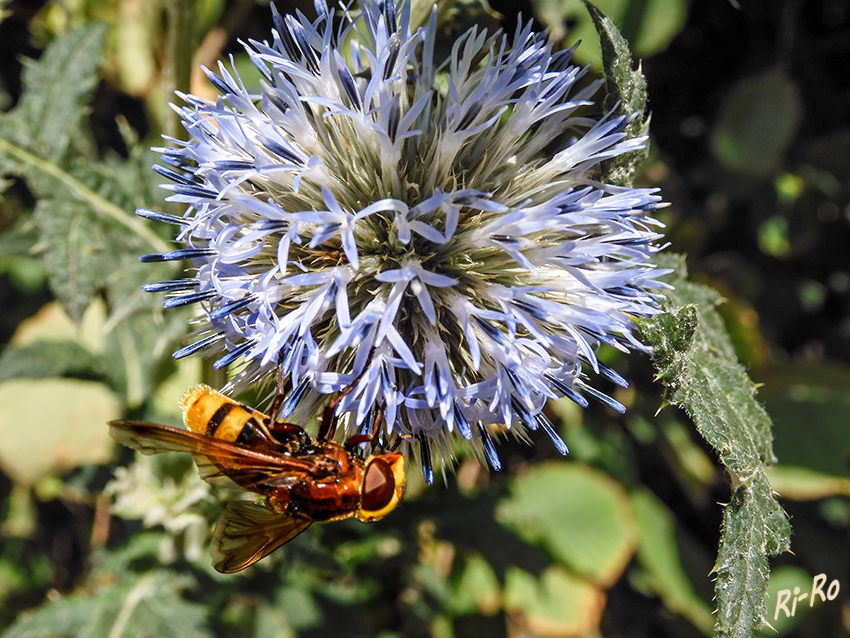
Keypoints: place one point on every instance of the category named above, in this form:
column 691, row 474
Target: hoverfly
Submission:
column 303, row 480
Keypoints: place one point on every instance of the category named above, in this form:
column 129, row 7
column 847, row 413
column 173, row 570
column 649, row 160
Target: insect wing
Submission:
column 150, row 438
column 247, row 532
column 214, row 457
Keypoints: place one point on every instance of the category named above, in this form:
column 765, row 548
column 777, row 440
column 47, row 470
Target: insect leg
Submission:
column 289, row 430
column 399, row 439
column 357, row 439
column 279, row 499
column 281, row 390
column 328, row 426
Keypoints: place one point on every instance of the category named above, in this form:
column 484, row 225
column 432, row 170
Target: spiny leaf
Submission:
column 19, row 238
column 36, row 136
column 51, row 180
column 702, row 366
column 128, row 184
column 58, row 88
column 13, row 134
column 754, row 526
column 696, row 361
column 675, row 333
column 625, row 89
column 140, row 336
column 138, row 606
column 81, row 202
column 50, row 359
column 73, row 248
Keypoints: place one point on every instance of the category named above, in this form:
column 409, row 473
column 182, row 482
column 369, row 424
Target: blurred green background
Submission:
column 751, row 145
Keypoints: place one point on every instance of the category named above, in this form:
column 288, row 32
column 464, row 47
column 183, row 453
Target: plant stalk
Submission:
column 182, row 21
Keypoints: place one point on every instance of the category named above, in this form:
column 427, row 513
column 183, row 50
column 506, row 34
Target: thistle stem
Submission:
column 182, row 19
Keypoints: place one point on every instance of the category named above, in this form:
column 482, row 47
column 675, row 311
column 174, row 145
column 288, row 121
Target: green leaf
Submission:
column 51, row 359
column 56, row 180
column 649, row 25
column 625, row 89
column 754, row 526
column 757, row 122
column 58, row 89
column 477, row 588
column 556, row 604
column 138, row 349
column 580, row 516
column 86, row 233
column 37, row 137
column 659, row 557
column 128, row 184
column 675, row 335
column 814, row 393
column 50, row 426
column 300, row 607
column 19, row 238
column 138, row 606
column 696, row 361
column 270, row 621
column 73, row 250
column 803, row 484
column 144, row 547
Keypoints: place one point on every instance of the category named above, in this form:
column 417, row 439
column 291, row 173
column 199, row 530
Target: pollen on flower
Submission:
column 358, row 219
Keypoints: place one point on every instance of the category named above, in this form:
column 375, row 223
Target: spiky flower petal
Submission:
column 363, row 219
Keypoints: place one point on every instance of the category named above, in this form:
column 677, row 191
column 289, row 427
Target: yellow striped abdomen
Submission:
column 207, row 411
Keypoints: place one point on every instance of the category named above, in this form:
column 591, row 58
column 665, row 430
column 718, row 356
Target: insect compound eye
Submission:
column 383, row 483
column 378, row 486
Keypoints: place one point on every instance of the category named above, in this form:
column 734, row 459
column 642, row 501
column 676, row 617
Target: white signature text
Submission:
column 784, row 595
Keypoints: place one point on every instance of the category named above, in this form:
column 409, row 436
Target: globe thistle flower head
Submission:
column 369, row 217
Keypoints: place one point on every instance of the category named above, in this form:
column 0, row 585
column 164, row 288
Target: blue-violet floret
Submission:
column 370, row 217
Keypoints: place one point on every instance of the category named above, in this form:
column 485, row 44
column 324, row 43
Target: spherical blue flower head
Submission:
column 361, row 218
